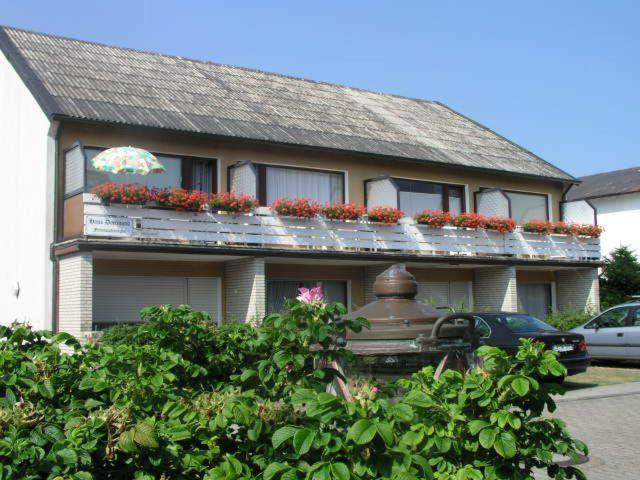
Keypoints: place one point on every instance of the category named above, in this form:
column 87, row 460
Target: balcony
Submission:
column 268, row 231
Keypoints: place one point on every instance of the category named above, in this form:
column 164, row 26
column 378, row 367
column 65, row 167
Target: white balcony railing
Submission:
column 266, row 230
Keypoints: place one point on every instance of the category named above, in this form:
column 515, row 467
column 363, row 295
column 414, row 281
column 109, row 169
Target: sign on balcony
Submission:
column 108, row 226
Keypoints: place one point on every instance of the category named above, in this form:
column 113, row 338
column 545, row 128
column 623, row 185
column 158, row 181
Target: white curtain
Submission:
column 202, row 175
column 526, row 206
column 415, row 202
column 322, row 187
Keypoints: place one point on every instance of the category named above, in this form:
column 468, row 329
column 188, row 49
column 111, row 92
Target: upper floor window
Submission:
column 181, row 171
column 172, row 177
column 528, row 206
column 291, row 182
column 415, row 196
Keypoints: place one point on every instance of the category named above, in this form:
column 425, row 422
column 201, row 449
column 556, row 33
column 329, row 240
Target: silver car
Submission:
column 615, row 333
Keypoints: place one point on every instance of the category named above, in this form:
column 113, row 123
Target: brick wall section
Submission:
column 495, row 289
column 245, row 290
column 75, row 295
column 370, row 274
column 578, row 289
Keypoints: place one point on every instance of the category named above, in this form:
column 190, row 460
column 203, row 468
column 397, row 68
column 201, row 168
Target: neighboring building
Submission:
column 72, row 264
column 615, row 197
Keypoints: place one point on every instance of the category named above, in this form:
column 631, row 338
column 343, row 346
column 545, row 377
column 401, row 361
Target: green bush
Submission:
column 567, row 319
column 182, row 398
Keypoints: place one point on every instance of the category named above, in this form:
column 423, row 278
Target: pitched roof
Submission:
column 88, row 81
column 618, row 182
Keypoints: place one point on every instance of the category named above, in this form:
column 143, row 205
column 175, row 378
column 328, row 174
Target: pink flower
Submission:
column 375, row 389
column 310, row 295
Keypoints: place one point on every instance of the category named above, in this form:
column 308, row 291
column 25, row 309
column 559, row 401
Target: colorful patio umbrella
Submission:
column 129, row 160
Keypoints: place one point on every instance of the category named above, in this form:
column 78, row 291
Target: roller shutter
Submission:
column 119, row 298
column 446, row 294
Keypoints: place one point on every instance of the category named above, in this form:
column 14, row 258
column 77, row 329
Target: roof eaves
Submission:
column 46, row 101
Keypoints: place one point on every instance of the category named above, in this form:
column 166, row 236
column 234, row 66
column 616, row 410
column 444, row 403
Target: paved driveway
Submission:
column 607, row 419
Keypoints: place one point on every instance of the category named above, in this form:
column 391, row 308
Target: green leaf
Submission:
column 521, row 386
column 145, row 435
column 282, row 435
column 302, row 440
column 505, row 445
column 340, row 471
column 386, row 432
column 362, row 432
column 403, row 412
column 68, row 456
column 45, row 388
column 126, row 442
column 273, row 469
column 476, row 425
column 487, row 437
column 303, row 396
column 419, row 399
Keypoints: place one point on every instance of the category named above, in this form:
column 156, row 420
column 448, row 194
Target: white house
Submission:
column 615, row 196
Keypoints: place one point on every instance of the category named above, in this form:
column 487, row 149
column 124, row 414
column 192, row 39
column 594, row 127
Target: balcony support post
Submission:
column 75, row 295
column 495, row 289
column 578, row 289
column 245, row 290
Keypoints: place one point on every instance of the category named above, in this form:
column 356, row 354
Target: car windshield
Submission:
column 519, row 323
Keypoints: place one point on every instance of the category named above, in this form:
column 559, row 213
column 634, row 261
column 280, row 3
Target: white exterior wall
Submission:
column 26, row 204
column 620, row 217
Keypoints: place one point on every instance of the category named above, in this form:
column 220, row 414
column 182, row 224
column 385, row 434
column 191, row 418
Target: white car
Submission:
column 615, row 333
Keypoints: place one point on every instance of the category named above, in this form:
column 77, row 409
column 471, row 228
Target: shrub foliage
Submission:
column 178, row 397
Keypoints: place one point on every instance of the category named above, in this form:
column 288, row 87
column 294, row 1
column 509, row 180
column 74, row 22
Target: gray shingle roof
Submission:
column 95, row 82
column 606, row 184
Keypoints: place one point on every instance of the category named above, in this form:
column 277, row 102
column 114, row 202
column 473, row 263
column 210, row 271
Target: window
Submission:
column 535, row 299
column 528, row 206
column 416, row 196
column 279, row 291
column 188, row 172
column 482, row 329
column 614, row 318
column 289, row 182
column 519, row 323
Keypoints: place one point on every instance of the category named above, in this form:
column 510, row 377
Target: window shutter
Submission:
column 243, row 179
column 381, row 192
column 74, row 170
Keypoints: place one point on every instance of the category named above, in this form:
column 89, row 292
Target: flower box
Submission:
column 297, row 207
column 384, row 215
column 433, row 218
column 343, row 211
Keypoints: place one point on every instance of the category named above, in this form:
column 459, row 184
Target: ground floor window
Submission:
column 279, row 291
column 535, row 299
column 446, row 295
column 118, row 299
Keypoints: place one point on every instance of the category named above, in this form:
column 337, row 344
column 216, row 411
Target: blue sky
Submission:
column 560, row 78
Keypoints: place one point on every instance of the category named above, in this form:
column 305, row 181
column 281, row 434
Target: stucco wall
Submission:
column 620, row 217
column 358, row 167
column 25, row 202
